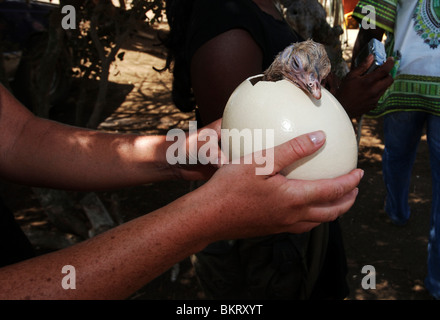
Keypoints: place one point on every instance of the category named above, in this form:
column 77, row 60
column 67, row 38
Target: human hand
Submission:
column 249, row 205
column 200, row 164
column 358, row 92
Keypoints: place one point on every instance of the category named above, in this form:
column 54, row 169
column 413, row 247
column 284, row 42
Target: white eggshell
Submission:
column 291, row 112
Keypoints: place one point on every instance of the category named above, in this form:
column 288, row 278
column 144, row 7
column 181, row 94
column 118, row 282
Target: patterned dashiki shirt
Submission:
column 413, row 39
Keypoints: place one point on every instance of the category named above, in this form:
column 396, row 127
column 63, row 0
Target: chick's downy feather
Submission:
column 304, row 63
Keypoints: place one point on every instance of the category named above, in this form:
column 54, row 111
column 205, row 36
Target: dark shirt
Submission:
column 14, row 245
column 214, row 17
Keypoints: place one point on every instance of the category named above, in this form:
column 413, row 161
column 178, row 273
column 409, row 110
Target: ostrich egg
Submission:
column 290, row 112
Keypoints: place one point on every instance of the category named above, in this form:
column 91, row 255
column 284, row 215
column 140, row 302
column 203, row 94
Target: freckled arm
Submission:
column 115, row 264
column 40, row 152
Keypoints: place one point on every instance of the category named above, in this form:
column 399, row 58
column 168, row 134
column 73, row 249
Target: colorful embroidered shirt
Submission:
column 413, row 39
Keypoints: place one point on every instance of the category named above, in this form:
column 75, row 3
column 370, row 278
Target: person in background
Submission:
column 213, row 47
column 409, row 106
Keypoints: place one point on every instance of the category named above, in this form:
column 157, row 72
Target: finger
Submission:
column 381, row 80
column 384, row 70
column 330, row 211
column 301, row 227
column 297, row 148
column 387, row 79
column 207, row 138
column 363, row 66
column 209, row 149
column 324, row 212
column 388, row 65
column 380, row 88
column 221, row 158
column 327, row 190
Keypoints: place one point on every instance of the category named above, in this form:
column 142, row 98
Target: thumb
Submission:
column 300, row 147
column 364, row 65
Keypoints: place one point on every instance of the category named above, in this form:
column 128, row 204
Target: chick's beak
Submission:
column 314, row 87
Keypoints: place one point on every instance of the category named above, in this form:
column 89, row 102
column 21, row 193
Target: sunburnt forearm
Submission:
column 72, row 158
column 114, row 264
column 41, row 152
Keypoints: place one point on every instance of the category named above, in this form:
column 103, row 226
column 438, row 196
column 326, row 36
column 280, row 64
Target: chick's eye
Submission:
column 295, row 63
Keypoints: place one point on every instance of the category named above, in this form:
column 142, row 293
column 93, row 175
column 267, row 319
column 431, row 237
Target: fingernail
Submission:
column 317, row 137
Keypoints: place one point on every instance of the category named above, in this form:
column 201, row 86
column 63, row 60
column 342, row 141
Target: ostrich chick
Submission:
column 304, row 63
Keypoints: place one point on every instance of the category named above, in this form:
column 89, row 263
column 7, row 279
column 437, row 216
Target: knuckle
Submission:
column 332, row 214
column 297, row 147
column 337, row 192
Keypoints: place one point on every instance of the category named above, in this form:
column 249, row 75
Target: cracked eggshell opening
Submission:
column 291, row 112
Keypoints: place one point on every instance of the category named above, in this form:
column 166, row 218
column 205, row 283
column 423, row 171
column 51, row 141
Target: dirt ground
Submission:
column 140, row 102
